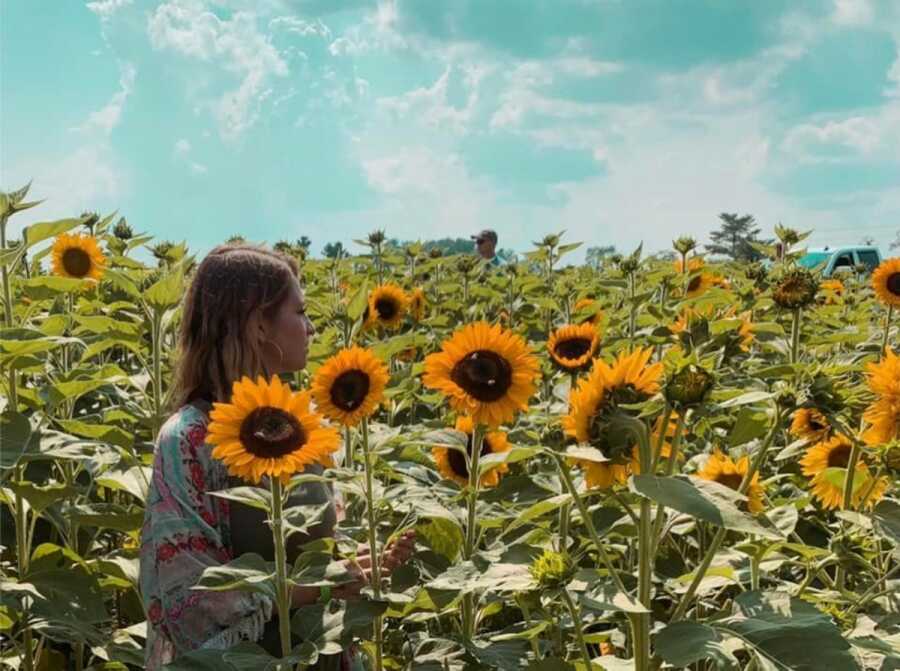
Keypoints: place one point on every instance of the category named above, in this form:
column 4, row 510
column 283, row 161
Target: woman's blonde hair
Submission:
column 233, row 289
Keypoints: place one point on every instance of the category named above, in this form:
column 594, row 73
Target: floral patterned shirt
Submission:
column 185, row 531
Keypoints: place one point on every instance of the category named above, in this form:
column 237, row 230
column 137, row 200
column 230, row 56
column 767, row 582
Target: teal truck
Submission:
column 836, row 260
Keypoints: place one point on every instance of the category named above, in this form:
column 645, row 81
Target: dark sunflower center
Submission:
column 573, row 348
column 893, row 284
column 457, row 459
column 816, row 425
column 349, row 390
column 483, row 374
column 77, row 262
column 269, row 433
column 730, row 480
column 694, row 284
column 839, row 457
column 386, row 308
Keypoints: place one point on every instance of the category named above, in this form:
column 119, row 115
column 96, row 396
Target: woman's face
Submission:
column 286, row 336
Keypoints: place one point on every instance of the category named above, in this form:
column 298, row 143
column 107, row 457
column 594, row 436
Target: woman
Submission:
column 244, row 314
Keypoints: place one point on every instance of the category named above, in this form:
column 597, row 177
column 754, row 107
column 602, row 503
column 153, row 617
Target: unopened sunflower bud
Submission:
column 684, row 245
column 122, row 230
column 435, row 253
column 552, row 570
column 689, row 387
column 376, row 237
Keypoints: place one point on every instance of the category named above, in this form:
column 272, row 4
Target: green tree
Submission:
column 594, row 256
column 334, row 250
column 735, row 238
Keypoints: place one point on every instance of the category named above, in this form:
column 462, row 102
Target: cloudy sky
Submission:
column 617, row 120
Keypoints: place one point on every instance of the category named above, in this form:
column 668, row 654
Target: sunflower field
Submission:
column 656, row 464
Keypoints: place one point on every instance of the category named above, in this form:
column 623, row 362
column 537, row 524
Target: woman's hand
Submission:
column 397, row 553
column 360, row 578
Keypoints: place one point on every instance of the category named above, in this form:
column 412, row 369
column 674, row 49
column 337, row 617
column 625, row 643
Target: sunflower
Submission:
column 826, row 465
column 689, row 315
column 723, row 469
column 883, row 419
column 586, row 304
column 451, row 463
column 795, row 289
column 832, row 291
column 417, row 304
column 884, row 376
column 267, row 429
column 485, row 371
column 594, row 402
column 78, row 256
column 387, row 306
column 350, row 385
column 700, row 281
column 886, row 281
column 572, row 347
column 810, row 424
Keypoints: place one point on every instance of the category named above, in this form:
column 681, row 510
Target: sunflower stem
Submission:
column 670, row 468
column 887, row 329
column 7, row 319
column 579, row 630
column 795, row 335
column 588, row 522
column 632, row 316
column 468, row 605
column 373, row 542
column 282, row 589
column 700, row 573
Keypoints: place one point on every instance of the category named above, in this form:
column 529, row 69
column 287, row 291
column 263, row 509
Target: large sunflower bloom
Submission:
column 826, row 465
column 886, row 281
column 350, row 385
column 723, row 469
column 387, row 306
column 572, row 347
column 451, row 463
column 77, row 256
column 884, row 376
column 417, row 304
column 883, row 420
column 628, row 380
column 484, row 371
column 810, row 424
column 267, row 429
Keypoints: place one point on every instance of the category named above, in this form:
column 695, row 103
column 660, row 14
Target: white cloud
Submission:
column 298, row 26
column 872, row 135
column 87, row 178
column 105, row 9
column 181, row 151
column 430, row 106
column 182, row 147
column 109, row 116
column 185, row 26
column 852, row 12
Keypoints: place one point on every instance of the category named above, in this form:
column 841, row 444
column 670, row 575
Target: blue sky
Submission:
column 620, row 121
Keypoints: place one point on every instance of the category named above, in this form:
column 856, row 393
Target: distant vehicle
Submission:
column 841, row 259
